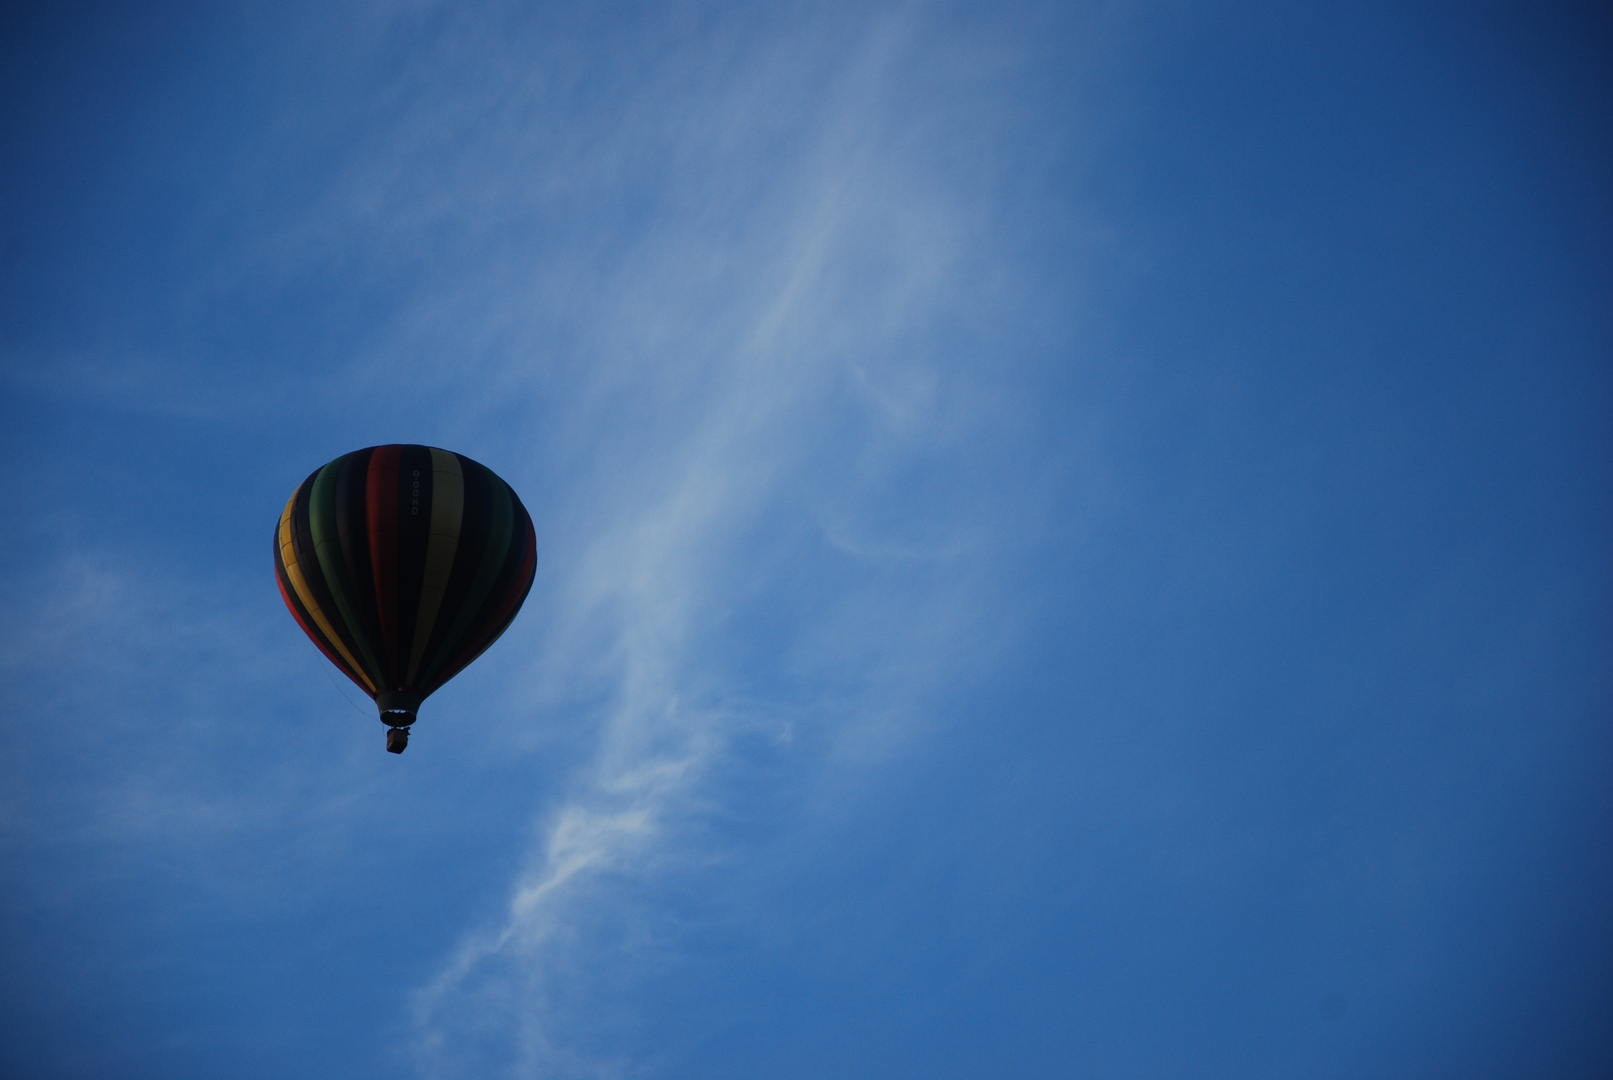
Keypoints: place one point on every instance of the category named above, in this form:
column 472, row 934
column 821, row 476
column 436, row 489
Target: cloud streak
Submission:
column 706, row 290
column 764, row 381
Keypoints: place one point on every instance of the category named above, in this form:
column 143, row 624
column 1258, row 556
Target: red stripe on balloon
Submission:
column 381, row 498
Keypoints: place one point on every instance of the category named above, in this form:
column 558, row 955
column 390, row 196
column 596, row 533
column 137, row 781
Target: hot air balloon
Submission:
column 403, row 564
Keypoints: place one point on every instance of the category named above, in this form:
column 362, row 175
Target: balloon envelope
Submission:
column 404, row 563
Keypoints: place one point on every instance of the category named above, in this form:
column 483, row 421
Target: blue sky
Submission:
column 1073, row 540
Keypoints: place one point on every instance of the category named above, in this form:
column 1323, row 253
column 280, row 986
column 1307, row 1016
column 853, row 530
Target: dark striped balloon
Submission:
column 403, row 564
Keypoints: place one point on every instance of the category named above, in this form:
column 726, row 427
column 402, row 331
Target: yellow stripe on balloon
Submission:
column 288, row 555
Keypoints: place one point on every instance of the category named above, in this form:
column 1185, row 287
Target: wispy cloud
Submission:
column 707, row 290
column 767, row 419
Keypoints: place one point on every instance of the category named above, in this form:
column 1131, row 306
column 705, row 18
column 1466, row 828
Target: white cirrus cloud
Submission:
column 779, row 412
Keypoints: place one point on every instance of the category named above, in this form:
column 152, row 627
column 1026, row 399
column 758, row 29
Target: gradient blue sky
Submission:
column 1074, row 539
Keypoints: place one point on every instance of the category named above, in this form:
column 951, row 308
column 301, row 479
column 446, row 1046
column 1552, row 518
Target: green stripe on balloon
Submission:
column 323, row 524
